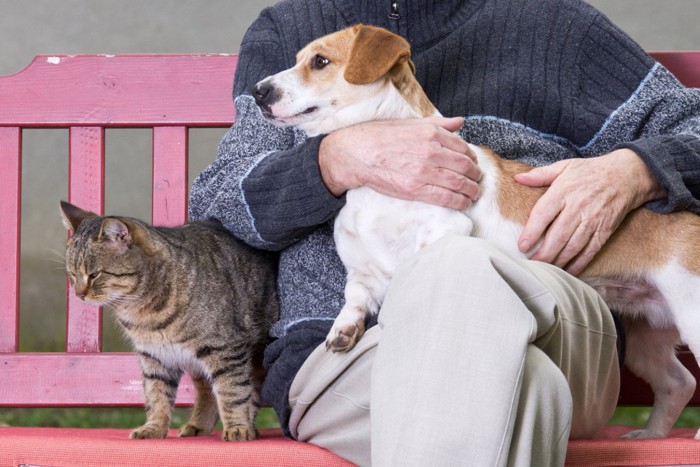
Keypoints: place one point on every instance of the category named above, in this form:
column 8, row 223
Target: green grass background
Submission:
column 104, row 417
column 133, row 417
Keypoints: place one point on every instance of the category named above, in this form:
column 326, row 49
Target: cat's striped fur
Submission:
column 191, row 299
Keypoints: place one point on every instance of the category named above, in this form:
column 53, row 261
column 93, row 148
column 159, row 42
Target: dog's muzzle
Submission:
column 265, row 95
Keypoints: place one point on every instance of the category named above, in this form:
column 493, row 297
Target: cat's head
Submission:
column 104, row 255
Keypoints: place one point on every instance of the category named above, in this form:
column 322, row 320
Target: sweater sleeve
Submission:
column 670, row 146
column 659, row 119
column 265, row 185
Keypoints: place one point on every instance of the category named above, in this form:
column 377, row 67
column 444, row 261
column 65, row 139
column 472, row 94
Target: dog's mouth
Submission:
column 267, row 113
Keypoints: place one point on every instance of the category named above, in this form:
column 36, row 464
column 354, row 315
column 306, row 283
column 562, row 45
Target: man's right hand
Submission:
column 415, row 159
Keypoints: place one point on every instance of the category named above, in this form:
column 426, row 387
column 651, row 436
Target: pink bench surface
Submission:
column 169, row 94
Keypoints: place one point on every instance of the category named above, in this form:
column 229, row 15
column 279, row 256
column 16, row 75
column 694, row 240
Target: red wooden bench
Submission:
column 170, row 94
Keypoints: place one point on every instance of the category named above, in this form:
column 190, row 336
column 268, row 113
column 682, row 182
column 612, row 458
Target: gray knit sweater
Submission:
column 537, row 80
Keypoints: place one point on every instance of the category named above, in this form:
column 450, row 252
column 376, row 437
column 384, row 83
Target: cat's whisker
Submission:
column 58, row 253
column 53, row 260
column 122, row 302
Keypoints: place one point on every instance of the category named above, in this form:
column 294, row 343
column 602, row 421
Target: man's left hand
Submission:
column 585, row 202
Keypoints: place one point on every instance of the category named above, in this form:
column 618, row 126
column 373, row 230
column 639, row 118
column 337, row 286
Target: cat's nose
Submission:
column 80, row 292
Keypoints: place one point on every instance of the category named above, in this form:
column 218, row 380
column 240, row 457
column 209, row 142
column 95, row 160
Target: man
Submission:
column 478, row 358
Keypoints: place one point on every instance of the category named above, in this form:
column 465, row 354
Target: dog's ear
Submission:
column 375, row 51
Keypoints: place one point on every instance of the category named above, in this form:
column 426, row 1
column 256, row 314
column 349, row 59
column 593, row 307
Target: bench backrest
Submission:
column 86, row 95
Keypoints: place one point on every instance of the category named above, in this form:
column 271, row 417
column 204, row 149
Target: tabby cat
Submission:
column 191, row 299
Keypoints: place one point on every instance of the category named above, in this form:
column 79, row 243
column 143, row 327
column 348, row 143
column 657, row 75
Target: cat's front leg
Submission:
column 160, row 388
column 235, row 393
column 205, row 411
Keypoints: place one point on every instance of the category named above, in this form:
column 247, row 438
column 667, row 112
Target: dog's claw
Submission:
column 641, row 434
column 343, row 337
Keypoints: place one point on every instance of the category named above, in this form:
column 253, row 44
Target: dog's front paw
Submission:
column 642, row 434
column 344, row 336
column 149, row 431
column 239, row 433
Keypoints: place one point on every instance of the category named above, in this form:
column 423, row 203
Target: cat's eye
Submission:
column 93, row 276
column 319, row 62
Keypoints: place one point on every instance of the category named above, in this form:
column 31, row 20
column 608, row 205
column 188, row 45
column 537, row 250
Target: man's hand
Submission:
column 415, row 159
column 585, row 203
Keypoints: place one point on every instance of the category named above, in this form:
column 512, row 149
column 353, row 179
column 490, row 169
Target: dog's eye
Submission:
column 319, row 61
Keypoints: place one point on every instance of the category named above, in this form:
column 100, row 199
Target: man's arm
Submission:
column 658, row 166
column 265, row 185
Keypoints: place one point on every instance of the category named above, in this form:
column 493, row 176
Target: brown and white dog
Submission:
column 649, row 270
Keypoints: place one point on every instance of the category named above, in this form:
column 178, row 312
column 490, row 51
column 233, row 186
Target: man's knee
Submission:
column 454, row 256
column 454, row 274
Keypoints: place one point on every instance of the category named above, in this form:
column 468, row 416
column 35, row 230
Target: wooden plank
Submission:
column 10, row 205
column 122, row 90
column 684, row 65
column 77, row 380
column 86, row 190
column 169, row 175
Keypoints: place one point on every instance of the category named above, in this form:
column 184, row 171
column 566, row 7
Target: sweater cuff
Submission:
column 674, row 162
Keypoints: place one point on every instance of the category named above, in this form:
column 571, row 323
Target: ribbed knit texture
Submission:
column 537, row 80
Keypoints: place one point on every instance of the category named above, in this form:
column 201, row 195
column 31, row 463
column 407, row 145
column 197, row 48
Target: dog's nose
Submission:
column 264, row 94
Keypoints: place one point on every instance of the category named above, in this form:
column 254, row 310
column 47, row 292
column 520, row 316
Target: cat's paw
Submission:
column 239, row 433
column 189, row 430
column 149, row 432
column 343, row 336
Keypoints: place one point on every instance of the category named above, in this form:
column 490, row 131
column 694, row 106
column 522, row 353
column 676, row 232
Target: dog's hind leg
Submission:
column 651, row 355
column 681, row 288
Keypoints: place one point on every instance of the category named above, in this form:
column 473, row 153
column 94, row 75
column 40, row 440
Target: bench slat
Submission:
column 120, row 91
column 10, row 193
column 76, row 380
column 86, row 174
column 684, row 65
column 170, row 175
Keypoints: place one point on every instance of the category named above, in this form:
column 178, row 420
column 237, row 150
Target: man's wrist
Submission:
column 648, row 186
column 329, row 167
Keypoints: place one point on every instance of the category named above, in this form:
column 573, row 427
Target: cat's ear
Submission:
column 115, row 234
column 73, row 216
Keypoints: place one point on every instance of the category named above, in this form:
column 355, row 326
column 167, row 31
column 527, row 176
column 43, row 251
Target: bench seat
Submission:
column 93, row 447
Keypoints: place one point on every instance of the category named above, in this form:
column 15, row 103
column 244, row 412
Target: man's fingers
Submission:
column 578, row 264
column 541, row 176
column 457, row 183
column 575, row 244
column 558, row 233
column 433, row 194
column 450, row 124
column 543, row 214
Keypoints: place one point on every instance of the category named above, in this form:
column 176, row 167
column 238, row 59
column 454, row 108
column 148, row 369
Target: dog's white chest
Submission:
column 374, row 231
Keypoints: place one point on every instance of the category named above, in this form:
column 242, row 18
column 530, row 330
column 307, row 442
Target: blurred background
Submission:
column 168, row 26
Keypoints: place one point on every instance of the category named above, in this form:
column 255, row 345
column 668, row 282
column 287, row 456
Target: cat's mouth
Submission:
column 90, row 300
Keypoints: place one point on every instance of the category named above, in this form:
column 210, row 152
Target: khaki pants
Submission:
column 479, row 359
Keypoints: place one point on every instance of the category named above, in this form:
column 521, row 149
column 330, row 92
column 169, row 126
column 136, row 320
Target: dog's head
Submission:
column 358, row 74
